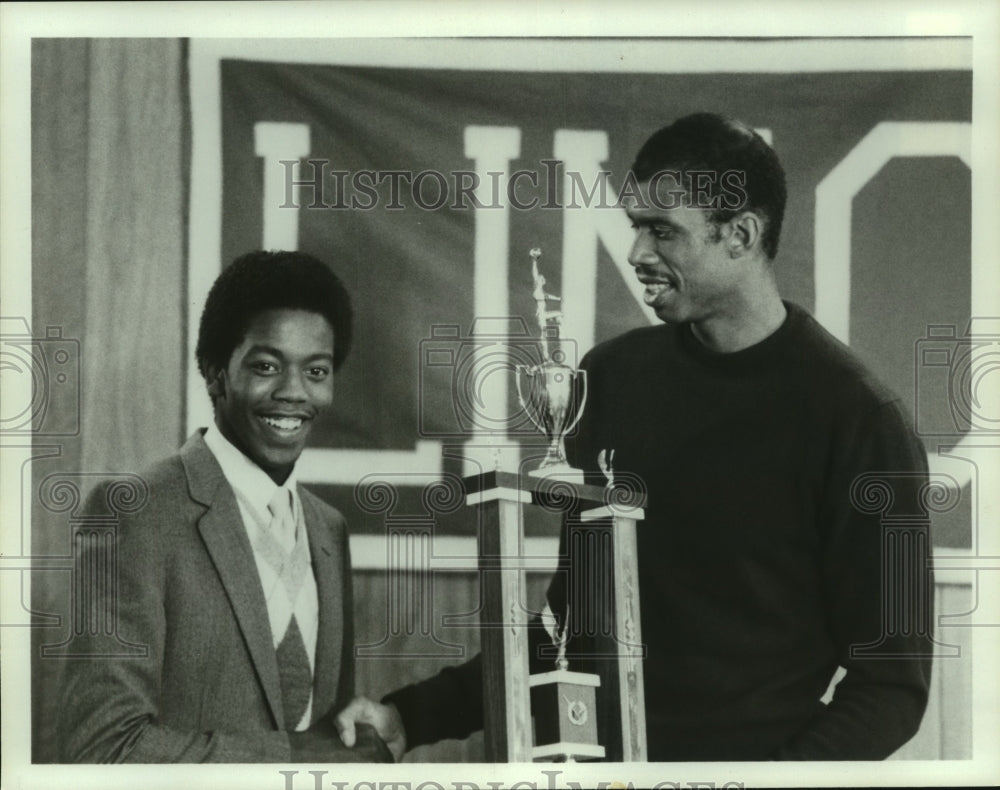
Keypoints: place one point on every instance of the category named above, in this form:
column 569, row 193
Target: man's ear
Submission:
column 216, row 380
column 744, row 236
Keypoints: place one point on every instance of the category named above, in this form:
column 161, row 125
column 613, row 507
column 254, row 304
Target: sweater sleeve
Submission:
column 446, row 705
column 450, row 703
column 878, row 591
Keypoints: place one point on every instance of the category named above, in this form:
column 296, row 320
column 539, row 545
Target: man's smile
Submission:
column 656, row 285
column 655, row 289
column 284, row 424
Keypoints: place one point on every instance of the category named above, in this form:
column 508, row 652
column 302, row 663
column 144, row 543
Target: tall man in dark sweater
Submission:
column 759, row 438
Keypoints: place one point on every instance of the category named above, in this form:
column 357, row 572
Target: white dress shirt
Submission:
column 254, row 490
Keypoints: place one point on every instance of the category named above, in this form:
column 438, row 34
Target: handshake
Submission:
column 362, row 718
column 364, row 731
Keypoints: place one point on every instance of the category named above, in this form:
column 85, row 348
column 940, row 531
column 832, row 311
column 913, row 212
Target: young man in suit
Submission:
column 233, row 580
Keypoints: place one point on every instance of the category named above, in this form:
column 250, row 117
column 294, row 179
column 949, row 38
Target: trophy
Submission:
column 551, row 393
column 552, row 715
column 565, row 705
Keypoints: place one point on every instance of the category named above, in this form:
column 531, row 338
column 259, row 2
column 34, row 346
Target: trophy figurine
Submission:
column 551, row 393
column 564, row 704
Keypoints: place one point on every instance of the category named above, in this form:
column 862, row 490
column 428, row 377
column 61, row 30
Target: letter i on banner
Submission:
column 491, row 148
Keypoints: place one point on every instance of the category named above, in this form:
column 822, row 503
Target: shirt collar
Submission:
column 250, row 483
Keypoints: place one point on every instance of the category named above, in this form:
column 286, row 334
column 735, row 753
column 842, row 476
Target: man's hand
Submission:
column 321, row 743
column 384, row 718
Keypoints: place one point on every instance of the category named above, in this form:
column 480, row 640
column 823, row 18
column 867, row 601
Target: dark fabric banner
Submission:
column 384, row 155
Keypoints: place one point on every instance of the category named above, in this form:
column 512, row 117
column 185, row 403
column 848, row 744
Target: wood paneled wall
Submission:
column 109, row 206
column 946, row 731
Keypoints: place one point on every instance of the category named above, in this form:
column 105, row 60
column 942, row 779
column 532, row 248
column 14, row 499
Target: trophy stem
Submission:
column 555, row 465
column 556, row 454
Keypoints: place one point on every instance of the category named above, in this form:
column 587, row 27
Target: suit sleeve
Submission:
column 110, row 690
column 878, row 589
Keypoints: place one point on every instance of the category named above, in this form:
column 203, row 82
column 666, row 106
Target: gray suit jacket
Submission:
column 191, row 674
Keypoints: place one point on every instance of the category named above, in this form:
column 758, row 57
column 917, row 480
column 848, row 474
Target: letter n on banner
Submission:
column 584, row 226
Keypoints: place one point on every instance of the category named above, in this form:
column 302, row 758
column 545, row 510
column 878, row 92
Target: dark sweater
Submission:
column 757, row 573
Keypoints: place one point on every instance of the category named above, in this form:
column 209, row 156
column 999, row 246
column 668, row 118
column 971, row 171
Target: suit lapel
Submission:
column 328, row 565
column 226, row 540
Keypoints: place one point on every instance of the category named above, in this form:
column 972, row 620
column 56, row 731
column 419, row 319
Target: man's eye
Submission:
column 263, row 367
column 656, row 231
column 318, row 373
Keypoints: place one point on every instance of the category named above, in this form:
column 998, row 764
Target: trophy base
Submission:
column 564, row 705
column 563, row 472
column 567, row 752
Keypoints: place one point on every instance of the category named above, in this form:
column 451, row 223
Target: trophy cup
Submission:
column 551, row 393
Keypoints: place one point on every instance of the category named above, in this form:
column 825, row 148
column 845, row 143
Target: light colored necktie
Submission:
column 294, row 671
column 282, row 524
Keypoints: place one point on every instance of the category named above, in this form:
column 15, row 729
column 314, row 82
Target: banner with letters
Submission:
column 425, row 186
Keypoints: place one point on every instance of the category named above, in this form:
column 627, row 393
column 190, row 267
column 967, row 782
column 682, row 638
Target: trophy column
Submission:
column 504, row 635
column 500, row 498
column 628, row 629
